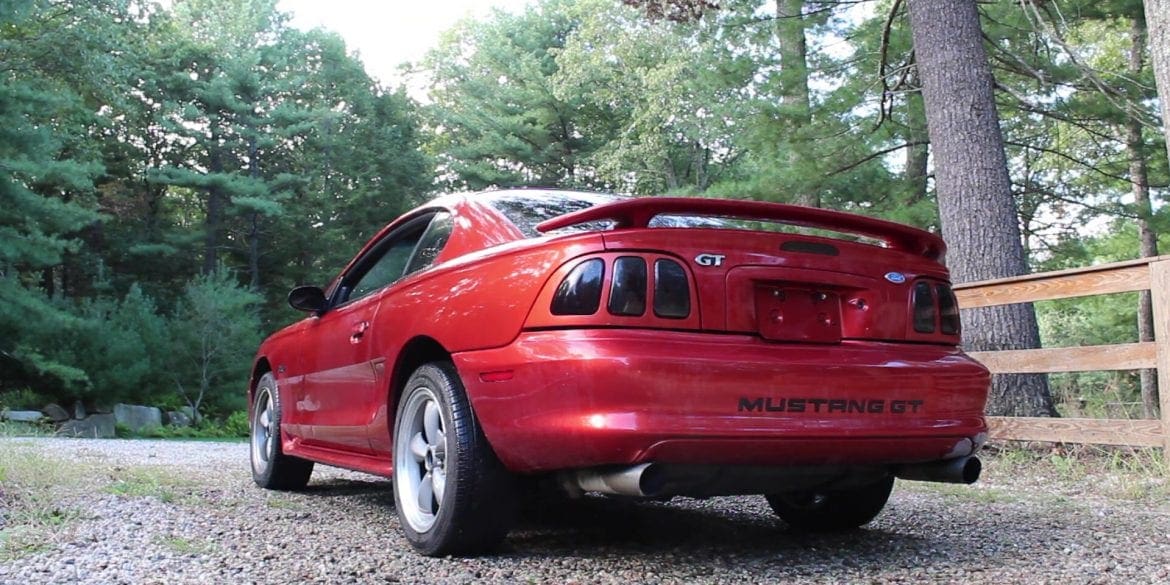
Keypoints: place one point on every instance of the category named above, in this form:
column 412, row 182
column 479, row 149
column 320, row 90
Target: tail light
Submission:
column 646, row 289
column 627, row 291
column 948, row 310
column 672, row 292
column 580, row 291
column 935, row 309
column 924, row 308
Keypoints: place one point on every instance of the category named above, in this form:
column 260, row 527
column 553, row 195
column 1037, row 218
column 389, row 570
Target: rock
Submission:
column 178, row 418
column 56, row 413
column 137, row 418
column 26, row 416
column 97, row 426
column 79, row 410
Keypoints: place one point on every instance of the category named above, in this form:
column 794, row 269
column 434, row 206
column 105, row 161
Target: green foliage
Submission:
column 123, row 346
column 662, row 97
column 46, row 170
column 31, row 324
column 234, row 426
column 22, row 399
column 143, row 145
column 215, row 331
column 502, row 122
column 237, row 425
column 127, row 350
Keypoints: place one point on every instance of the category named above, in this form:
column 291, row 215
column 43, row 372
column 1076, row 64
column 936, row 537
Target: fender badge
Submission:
column 707, row 259
column 896, row 277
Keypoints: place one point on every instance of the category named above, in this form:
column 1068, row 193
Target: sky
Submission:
column 388, row 32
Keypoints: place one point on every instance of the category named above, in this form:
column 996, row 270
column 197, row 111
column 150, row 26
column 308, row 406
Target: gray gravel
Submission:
column 187, row 512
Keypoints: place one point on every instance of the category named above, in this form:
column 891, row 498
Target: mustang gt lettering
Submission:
column 482, row 344
column 829, row 405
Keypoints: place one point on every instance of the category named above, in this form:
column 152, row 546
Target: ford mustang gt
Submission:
column 644, row 347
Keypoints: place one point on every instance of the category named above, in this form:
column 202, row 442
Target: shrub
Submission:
column 215, row 330
column 22, row 399
column 236, row 425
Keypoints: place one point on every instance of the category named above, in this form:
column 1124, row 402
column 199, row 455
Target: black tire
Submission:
column 452, row 494
column 271, row 468
column 832, row 510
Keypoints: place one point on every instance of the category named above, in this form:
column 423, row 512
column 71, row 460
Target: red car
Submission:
column 646, row 347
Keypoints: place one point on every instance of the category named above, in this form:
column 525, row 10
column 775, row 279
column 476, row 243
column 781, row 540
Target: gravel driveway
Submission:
column 187, row 512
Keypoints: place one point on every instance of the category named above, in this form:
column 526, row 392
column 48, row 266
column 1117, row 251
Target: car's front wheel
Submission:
column 452, row 494
column 832, row 510
column 271, row 468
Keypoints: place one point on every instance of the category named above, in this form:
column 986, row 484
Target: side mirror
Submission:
column 310, row 299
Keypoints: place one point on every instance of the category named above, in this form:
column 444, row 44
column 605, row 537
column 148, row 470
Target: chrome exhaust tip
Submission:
column 965, row 470
column 639, row 480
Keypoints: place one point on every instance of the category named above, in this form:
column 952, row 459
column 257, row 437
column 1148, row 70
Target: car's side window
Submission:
column 431, row 243
column 409, row 249
column 386, row 269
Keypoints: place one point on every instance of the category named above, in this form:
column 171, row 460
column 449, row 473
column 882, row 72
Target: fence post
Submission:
column 1160, row 295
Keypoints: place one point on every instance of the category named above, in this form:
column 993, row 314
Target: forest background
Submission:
column 167, row 174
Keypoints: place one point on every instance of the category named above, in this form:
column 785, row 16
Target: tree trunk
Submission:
column 795, row 103
column 1135, row 148
column 254, row 251
column 794, row 97
column 672, row 181
column 254, row 218
column 976, row 206
column 213, row 222
column 918, row 153
column 701, row 157
column 1158, row 25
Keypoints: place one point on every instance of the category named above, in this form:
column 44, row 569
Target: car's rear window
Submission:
column 673, row 220
column 526, row 209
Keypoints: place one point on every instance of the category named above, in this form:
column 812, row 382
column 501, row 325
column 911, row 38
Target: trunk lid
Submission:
column 780, row 285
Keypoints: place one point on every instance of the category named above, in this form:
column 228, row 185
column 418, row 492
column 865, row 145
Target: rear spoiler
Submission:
column 637, row 213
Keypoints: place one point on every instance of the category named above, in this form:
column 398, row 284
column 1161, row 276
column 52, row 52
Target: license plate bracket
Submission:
column 798, row 313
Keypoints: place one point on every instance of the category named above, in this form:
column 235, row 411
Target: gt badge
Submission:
column 709, row 259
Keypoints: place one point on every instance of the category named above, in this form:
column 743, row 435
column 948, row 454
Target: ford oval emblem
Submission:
column 896, row 277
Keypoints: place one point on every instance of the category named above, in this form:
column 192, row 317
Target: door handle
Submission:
column 359, row 331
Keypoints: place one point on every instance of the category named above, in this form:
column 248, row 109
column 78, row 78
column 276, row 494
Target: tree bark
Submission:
column 976, row 206
column 795, row 104
column 918, row 153
column 1158, row 27
column 1135, row 147
column 672, row 181
column 254, row 218
column 213, row 221
column 794, row 97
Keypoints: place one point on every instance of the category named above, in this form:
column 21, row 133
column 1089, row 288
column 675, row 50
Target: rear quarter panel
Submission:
column 477, row 302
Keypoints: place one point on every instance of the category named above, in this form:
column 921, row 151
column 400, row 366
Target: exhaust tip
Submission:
column 972, row 468
column 652, row 481
column 961, row 470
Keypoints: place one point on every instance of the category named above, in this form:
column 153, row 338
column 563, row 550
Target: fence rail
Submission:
column 1151, row 274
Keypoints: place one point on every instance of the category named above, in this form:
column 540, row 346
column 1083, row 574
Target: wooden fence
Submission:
column 1151, row 274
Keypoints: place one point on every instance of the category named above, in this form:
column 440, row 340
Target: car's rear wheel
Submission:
column 271, row 468
column 452, row 494
column 832, row 510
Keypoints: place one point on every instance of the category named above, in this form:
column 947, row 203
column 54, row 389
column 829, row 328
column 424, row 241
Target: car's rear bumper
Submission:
column 583, row 398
